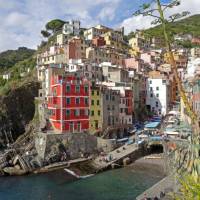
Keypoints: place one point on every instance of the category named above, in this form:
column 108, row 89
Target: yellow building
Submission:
column 95, row 110
column 138, row 43
column 114, row 39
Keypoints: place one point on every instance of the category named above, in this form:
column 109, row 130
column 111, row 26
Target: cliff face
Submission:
column 16, row 111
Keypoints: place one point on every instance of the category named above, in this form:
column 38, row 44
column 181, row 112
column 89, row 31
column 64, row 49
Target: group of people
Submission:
column 162, row 194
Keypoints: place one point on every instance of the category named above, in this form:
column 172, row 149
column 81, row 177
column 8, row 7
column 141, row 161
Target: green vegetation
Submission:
column 45, row 33
column 52, row 27
column 11, row 57
column 189, row 25
column 55, row 25
column 17, row 81
column 20, row 70
column 190, row 189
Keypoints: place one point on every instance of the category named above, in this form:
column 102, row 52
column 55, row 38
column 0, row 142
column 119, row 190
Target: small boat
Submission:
column 76, row 175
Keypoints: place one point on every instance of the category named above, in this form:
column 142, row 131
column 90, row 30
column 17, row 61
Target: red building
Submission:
column 69, row 103
column 126, row 107
column 98, row 41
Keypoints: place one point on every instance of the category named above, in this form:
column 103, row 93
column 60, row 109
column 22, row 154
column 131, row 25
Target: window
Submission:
column 86, row 89
column 150, row 82
column 157, row 88
column 68, row 112
column 79, row 126
column 71, row 126
column 77, row 101
column 107, row 97
column 108, row 108
column 86, row 112
column 151, row 95
column 76, row 112
column 156, row 104
column 92, row 102
column 77, row 88
column 164, row 81
column 92, row 92
column 99, row 112
column 151, row 89
column 68, row 88
column 92, row 113
column 68, row 101
column 113, row 107
column 109, row 121
column 157, row 95
column 54, row 91
column 82, row 112
column 52, row 112
column 86, row 101
column 113, row 98
column 97, row 93
column 97, row 102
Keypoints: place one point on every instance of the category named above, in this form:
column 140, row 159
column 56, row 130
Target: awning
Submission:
column 152, row 125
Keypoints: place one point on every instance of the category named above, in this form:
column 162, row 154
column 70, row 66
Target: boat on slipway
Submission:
column 76, row 175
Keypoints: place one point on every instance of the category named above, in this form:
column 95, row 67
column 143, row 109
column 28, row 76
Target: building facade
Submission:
column 157, row 93
column 68, row 104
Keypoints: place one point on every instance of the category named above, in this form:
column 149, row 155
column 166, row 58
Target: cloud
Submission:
column 108, row 11
column 136, row 22
column 21, row 21
column 140, row 22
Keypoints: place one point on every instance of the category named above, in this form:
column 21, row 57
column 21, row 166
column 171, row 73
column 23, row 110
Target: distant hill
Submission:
column 10, row 57
column 189, row 25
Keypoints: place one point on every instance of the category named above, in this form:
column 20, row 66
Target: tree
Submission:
column 45, row 33
column 55, row 25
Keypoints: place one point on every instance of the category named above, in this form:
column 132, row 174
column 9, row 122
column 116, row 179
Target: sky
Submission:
column 22, row 20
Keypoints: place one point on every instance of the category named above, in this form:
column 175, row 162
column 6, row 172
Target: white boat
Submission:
column 76, row 175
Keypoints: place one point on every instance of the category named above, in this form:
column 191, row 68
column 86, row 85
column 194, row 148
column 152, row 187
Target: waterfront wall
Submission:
column 71, row 146
column 106, row 145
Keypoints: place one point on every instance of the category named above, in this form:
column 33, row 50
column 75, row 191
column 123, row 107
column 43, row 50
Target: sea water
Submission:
column 119, row 184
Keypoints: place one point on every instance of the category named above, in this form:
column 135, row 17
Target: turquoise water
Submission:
column 119, row 184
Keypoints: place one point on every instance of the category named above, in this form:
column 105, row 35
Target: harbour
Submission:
column 124, row 183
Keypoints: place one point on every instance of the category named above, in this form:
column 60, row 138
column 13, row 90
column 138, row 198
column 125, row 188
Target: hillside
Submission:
column 17, row 94
column 10, row 57
column 189, row 25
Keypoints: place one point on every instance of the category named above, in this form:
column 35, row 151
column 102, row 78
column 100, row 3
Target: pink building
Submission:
column 98, row 41
column 76, row 49
column 149, row 58
column 133, row 63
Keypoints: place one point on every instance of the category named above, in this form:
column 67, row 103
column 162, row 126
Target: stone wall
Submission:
column 106, row 145
column 53, row 147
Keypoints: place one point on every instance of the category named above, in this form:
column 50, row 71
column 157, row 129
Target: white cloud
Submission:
column 140, row 22
column 21, row 21
column 15, row 19
column 108, row 11
column 136, row 22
